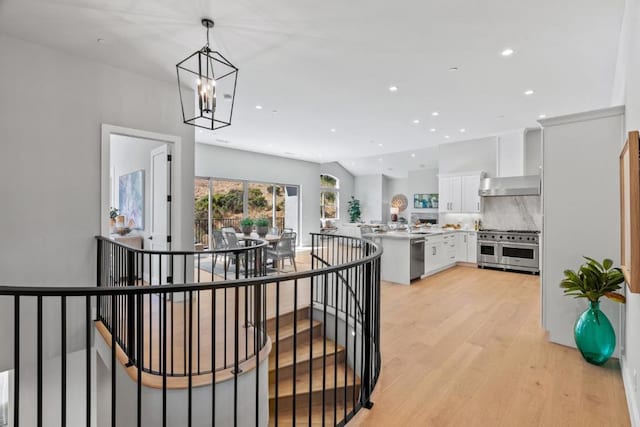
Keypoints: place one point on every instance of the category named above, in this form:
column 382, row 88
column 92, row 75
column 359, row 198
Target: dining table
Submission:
column 272, row 239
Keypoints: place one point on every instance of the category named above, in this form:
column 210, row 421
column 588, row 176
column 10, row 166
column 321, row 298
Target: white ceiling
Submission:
column 328, row 65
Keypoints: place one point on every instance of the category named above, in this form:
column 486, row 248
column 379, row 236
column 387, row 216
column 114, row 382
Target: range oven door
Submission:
column 519, row 255
column 488, row 252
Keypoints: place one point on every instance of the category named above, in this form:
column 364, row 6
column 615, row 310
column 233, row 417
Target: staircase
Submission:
column 334, row 379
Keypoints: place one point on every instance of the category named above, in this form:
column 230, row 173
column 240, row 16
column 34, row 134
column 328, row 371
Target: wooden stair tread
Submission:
column 287, row 330
column 285, row 385
column 285, row 416
column 302, row 354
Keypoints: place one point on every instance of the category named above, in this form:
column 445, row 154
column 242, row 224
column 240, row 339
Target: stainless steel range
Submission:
column 510, row 249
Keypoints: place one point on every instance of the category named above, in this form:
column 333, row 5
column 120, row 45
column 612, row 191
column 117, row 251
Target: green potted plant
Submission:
column 262, row 227
column 593, row 332
column 246, row 225
column 113, row 214
column 354, row 210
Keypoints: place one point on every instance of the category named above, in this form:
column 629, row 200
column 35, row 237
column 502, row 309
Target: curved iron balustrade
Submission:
column 135, row 306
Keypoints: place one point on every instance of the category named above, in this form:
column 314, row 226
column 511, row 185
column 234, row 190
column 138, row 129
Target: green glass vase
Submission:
column 594, row 335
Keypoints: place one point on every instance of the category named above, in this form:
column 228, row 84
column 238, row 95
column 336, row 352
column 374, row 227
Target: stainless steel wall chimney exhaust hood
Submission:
column 510, row 186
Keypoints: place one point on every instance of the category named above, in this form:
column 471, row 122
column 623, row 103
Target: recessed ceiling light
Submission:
column 379, row 159
column 389, row 169
column 501, row 116
column 447, row 137
column 380, row 144
column 227, row 96
column 542, row 116
column 333, row 130
column 393, row 88
column 289, row 153
column 100, row 41
column 528, row 92
column 453, row 69
column 432, row 130
column 353, row 163
column 435, row 114
column 274, row 111
column 463, row 130
column 413, row 154
column 416, row 121
column 507, row 52
column 258, row 107
column 422, row 165
column 270, row 145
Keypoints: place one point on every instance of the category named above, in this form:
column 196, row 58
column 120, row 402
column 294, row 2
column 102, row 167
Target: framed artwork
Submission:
column 131, row 192
column 425, row 201
column 630, row 211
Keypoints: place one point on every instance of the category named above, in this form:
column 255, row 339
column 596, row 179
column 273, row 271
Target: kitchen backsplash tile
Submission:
column 512, row 213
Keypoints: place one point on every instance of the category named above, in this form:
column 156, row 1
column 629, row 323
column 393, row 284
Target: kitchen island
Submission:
column 410, row 256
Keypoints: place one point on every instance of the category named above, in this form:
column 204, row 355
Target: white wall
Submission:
column 580, row 171
column 532, row 151
column 627, row 91
column 50, row 167
column 510, row 154
column 222, row 162
column 368, row 188
column 129, row 155
column 468, row 156
column 421, row 181
column 347, row 187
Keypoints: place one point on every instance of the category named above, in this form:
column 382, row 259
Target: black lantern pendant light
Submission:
column 208, row 74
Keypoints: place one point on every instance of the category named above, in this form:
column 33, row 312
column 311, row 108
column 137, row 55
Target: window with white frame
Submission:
column 329, row 197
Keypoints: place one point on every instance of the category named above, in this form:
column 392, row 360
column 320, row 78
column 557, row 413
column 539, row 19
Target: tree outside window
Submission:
column 329, row 197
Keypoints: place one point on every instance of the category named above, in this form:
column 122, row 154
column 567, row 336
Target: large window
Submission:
column 329, row 197
column 222, row 203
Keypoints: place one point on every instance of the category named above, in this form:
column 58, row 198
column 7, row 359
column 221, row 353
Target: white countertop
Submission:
column 417, row 234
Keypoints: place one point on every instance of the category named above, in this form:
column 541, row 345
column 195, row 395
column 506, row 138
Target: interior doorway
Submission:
column 140, row 172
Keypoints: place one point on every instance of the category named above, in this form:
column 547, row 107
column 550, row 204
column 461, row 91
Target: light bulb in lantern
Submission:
column 206, row 95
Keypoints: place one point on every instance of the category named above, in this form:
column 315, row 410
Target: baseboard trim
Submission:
column 634, row 411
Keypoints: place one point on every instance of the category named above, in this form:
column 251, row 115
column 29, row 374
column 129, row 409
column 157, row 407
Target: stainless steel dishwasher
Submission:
column 417, row 258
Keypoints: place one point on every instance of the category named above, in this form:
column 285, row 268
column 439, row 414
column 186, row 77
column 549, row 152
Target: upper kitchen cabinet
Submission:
column 459, row 193
column 450, row 193
column 470, row 196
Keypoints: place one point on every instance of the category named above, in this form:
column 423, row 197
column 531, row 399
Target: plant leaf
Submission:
column 615, row 296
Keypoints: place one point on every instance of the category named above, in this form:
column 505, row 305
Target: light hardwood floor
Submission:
column 465, row 348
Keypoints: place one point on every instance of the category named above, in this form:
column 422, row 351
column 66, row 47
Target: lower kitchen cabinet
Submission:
column 472, row 247
column 466, row 246
column 440, row 252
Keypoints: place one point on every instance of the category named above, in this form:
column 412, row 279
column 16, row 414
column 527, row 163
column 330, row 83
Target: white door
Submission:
column 470, row 197
column 160, row 229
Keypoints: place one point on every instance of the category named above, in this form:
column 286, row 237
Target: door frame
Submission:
column 176, row 174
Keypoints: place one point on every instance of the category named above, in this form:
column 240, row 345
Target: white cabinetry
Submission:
column 470, row 197
column 440, row 252
column 459, row 193
column 433, row 254
column 466, row 249
column 450, row 194
column 461, row 247
column 472, row 247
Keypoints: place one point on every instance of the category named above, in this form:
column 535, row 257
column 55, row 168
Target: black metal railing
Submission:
column 201, row 230
column 201, row 344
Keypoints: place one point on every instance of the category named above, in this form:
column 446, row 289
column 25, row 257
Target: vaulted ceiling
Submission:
column 321, row 71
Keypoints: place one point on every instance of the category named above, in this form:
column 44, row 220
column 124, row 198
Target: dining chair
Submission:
column 285, row 249
column 228, row 230
column 366, row 231
column 219, row 243
column 232, row 243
